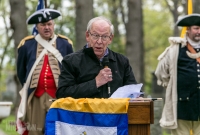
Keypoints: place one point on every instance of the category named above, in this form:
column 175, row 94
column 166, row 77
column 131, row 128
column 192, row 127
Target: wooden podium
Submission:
column 140, row 116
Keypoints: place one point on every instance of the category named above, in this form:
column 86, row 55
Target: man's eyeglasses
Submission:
column 96, row 36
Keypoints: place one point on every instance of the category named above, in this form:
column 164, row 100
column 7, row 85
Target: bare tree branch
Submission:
column 122, row 11
column 169, row 7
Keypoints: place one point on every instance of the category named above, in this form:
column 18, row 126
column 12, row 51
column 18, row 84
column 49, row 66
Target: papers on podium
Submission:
column 128, row 91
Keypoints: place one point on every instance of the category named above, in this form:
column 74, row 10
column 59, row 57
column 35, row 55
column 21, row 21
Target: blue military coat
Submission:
column 27, row 55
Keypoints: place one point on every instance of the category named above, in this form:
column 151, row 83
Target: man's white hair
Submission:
column 100, row 18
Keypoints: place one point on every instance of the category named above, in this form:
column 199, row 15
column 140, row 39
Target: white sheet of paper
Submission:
column 126, row 91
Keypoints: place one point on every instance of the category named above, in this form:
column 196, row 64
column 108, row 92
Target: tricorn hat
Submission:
column 43, row 15
column 189, row 20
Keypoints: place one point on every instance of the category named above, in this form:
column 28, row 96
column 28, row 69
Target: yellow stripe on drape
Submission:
column 190, row 10
column 95, row 105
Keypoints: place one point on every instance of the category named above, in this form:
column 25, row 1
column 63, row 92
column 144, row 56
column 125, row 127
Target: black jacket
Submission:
column 77, row 78
column 188, row 87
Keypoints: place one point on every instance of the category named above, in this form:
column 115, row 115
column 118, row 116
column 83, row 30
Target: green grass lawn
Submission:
column 165, row 133
column 8, row 126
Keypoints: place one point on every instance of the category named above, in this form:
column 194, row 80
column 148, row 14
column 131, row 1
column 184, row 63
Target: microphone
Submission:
column 106, row 62
column 106, row 65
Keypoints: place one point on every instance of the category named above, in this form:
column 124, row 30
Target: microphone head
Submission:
column 106, row 61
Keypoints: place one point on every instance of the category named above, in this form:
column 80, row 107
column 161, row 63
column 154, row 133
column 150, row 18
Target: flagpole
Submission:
column 190, row 11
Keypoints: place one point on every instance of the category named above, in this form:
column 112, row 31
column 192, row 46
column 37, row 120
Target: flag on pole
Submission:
column 68, row 116
column 39, row 6
column 189, row 12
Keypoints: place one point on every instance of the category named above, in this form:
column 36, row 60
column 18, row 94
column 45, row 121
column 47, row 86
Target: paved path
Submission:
column 2, row 133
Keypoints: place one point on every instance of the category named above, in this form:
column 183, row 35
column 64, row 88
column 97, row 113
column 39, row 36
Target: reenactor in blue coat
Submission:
column 46, row 51
column 179, row 71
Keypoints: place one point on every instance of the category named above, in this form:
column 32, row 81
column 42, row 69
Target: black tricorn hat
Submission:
column 189, row 20
column 43, row 15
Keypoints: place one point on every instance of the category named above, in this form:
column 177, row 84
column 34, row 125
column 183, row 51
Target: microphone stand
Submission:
column 106, row 63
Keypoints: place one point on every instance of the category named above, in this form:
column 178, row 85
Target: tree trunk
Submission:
column 84, row 12
column 175, row 16
column 114, row 16
column 196, row 6
column 134, row 39
column 174, row 13
column 18, row 24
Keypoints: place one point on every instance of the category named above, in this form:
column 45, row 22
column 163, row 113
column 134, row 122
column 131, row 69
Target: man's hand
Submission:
column 104, row 76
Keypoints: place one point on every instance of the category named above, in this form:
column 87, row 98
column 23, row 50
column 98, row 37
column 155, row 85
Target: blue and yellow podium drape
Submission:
column 68, row 116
